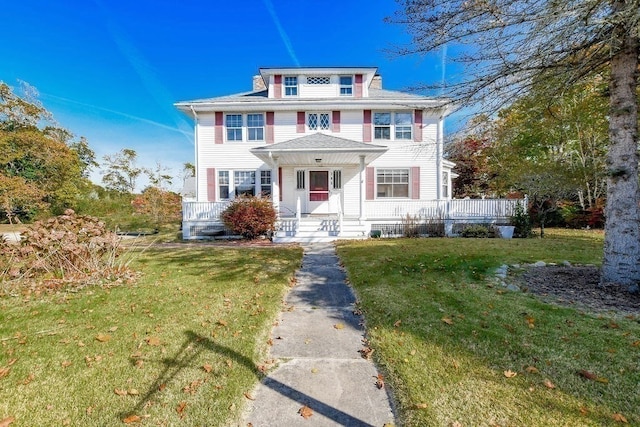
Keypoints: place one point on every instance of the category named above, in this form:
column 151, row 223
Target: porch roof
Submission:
column 318, row 149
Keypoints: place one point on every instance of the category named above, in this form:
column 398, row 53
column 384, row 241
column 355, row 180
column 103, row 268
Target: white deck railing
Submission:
column 390, row 209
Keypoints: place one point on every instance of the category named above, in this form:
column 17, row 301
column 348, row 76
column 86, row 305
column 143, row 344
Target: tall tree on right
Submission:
column 506, row 46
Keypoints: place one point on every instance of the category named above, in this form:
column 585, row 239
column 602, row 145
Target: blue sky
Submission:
column 110, row 70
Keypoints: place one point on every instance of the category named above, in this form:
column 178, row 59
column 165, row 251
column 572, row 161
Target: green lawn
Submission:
column 181, row 346
column 450, row 341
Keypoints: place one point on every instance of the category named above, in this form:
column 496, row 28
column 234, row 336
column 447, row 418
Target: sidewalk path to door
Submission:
column 316, row 342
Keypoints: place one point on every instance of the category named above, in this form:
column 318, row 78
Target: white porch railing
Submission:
column 442, row 209
column 202, row 211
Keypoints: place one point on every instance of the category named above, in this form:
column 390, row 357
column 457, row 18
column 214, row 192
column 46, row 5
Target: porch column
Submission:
column 362, row 190
column 275, row 187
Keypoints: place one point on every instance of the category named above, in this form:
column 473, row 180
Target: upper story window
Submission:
column 318, row 121
column 255, row 127
column 318, row 80
column 399, row 124
column 346, row 86
column 233, row 123
column 445, row 184
column 291, row 86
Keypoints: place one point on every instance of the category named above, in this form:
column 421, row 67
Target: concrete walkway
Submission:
column 316, row 343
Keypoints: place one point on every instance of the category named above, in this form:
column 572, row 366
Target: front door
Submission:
column 319, row 192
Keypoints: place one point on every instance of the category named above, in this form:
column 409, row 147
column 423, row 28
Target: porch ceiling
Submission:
column 320, row 150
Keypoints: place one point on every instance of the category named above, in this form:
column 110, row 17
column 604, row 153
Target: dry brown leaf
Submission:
column 305, row 412
column 509, row 373
column 113, row 329
column 120, row 392
column 103, row 337
column 447, row 320
column 4, row 371
column 532, row 370
column 207, row 368
column 379, row 381
column 229, row 363
column 421, row 406
column 591, row 376
column 181, row 406
column 531, row 322
column 397, row 323
column 248, row 396
column 549, row 384
column 65, row 363
column 620, row 418
column 584, row 410
column 132, row 419
column 456, row 424
column 153, row 341
column 133, row 392
column 338, row 326
column 222, row 322
column 161, row 387
column 6, row 421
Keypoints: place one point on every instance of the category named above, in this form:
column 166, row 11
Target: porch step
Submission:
column 321, row 230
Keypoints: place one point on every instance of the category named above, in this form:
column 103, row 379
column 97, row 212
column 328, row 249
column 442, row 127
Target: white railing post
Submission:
column 298, row 213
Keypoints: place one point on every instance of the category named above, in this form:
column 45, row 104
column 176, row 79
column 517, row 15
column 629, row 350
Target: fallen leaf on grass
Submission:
column 306, row 412
column 65, row 363
column 132, row 419
column 531, row 322
column 549, row 384
column 447, row 320
column 338, row 326
column 509, row 373
column 113, row 329
column 366, row 353
column 584, row 410
column 379, row 381
column 120, row 392
column 421, row 406
column 103, row 338
column 6, row 421
column 4, row 371
column 397, row 323
column 620, row 418
column 181, row 407
column 591, row 376
column 248, row 396
column 207, row 368
column 153, row 341
column 532, row 370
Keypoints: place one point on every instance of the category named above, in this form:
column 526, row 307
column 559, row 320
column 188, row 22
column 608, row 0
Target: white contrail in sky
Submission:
column 145, row 72
column 188, row 134
column 283, row 34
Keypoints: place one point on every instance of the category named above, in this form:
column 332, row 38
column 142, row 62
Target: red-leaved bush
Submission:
column 66, row 250
column 250, row 217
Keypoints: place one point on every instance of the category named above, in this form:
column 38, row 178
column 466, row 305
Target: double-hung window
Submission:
column 265, row 182
column 382, row 125
column 392, row 183
column 223, row 184
column 255, row 127
column 403, row 125
column 234, row 127
column 346, row 85
column 290, row 86
column 318, row 121
column 244, row 183
column 445, row 184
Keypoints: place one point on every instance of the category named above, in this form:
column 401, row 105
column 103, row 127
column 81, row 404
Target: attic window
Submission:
column 318, row 80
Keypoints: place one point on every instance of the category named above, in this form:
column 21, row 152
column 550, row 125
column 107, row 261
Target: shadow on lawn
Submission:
column 181, row 360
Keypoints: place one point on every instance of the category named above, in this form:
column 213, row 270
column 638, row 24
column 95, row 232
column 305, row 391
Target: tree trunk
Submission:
column 621, row 262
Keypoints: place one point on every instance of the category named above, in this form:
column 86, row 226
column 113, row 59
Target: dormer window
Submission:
column 346, row 85
column 291, row 86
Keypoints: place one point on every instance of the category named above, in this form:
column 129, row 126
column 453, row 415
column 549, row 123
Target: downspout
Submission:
column 439, row 146
column 195, row 136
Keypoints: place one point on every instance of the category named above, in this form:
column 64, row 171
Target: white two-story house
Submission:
column 337, row 154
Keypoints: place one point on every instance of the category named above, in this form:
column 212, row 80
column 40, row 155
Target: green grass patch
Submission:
column 181, row 346
column 445, row 335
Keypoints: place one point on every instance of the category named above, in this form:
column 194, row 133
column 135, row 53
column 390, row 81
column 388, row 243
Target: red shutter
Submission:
column 417, row 126
column 300, row 125
column 211, row 184
column 219, row 139
column 366, row 126
column 335, row 121
column 270, row 121
column 358, row 93
column 277, row 86
column 370, row 183
column 280, row 181
column 415, row 182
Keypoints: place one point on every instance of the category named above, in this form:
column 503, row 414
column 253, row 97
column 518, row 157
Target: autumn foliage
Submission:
column 66, row 250
column 161, row 205
column 250, row 217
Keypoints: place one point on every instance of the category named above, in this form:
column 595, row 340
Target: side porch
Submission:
column 201, row 220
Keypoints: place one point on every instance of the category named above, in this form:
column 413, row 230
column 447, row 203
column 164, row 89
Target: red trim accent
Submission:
column 211, row 184
column 218, row 128
column 415, row 182
column 358, row 91
column 300, row 123
column 417, row 125
column 366, row 128
column 335, row 121
column 269, row 132
column 370, row 183
column 277, row 86
column 280, row 181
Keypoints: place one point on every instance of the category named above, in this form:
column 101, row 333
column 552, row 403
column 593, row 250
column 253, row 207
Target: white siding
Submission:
column 351, row 188
column 284, row 126
column 351, row 125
